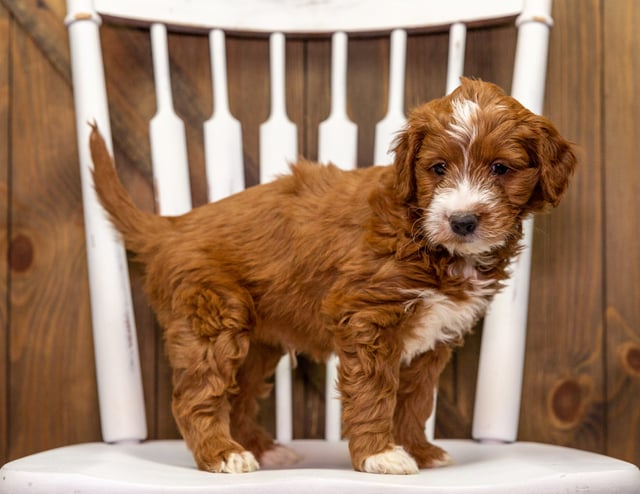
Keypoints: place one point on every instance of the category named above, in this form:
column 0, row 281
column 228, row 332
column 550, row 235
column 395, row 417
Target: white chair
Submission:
column 124, row 462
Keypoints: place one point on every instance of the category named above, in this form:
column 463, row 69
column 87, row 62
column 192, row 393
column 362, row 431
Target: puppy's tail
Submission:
column 140, row 230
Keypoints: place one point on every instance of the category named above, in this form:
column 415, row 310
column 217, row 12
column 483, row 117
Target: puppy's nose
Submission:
column 463, row 223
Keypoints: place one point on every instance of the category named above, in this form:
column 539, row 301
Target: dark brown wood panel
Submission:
column 367, row 90
column 5, row 157
column 43, row 20
column 563, row 399
column 52, row 379
column 317, row 103
column 622, row 227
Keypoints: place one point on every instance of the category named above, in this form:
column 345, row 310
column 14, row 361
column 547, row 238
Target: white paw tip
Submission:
column 239, row 463
column 279, row 456
column 442, row 462
column 394, row 461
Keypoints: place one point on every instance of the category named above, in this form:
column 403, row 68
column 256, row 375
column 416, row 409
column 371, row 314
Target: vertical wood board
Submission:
column 622, row 227
column 564, row 400
column 5, row 157
column 52, row 378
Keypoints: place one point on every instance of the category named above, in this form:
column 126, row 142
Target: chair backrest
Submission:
column 118, row 368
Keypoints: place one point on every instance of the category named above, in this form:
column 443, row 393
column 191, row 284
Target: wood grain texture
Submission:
column 622, row 228
column 248, row 72
column 367, row 90
column 52, row 379
column 317, row 96
column 4, row 225
column 564, row 391
column 43, row 20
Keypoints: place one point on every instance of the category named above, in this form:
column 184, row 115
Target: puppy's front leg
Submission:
column 418, row 380
column 368, row 376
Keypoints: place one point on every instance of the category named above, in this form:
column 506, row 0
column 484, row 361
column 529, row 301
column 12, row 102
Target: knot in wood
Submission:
column 567, row 403
column 21, row 253
column 631, row 358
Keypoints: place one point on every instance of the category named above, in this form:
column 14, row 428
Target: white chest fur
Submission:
column 443, row 318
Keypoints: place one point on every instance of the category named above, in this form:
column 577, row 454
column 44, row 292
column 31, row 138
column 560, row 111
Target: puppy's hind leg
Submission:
column 258, row 366
column 206, row 344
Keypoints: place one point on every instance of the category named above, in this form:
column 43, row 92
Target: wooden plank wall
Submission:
column 4, row 235
column 621, row 187
column 582, row 376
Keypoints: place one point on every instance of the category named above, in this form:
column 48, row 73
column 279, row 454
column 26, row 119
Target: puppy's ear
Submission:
column 556, row 161
column 406, row 148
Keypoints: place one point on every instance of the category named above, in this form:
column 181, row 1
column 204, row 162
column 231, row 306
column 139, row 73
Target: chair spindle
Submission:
column 457, row 45
column 278, row 135
column 222, row 132
column 338, row 136
column 394, row 119
column 168, row 140
column 120, row 395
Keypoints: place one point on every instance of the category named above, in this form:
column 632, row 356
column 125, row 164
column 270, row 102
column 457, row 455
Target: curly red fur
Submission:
column 368, row 264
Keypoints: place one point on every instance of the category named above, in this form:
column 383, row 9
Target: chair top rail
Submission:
column 307, row 17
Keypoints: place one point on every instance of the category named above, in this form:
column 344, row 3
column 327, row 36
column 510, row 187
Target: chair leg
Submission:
column 418, row 381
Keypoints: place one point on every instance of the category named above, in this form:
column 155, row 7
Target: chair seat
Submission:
column 167, row 466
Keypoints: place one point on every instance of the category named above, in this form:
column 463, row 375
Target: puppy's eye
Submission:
column 439, row 168
column 499, row 168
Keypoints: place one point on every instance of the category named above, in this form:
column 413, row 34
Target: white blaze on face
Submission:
column 463, row 127
column 462, row 197
column 460, row 194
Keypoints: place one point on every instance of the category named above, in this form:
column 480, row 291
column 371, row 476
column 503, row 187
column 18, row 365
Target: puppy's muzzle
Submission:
column 463, row 224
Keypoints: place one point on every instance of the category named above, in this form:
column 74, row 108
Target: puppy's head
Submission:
column 475, row 163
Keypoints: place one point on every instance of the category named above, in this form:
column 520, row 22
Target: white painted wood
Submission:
column 394, row 120
column 309, row 16
column 168, row 140
column 333, row 407
column 278, row 135
column 499, row 385
column 168, row 466
column 457, row 45
column 430, row 427
column 530, row 68
column 338, row 136
column 222, row 132
column 283, row 395
column 121, row 401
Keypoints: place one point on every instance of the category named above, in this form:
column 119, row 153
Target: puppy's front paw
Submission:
column 242, row 462
column 279, row 456
column 394, row 461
